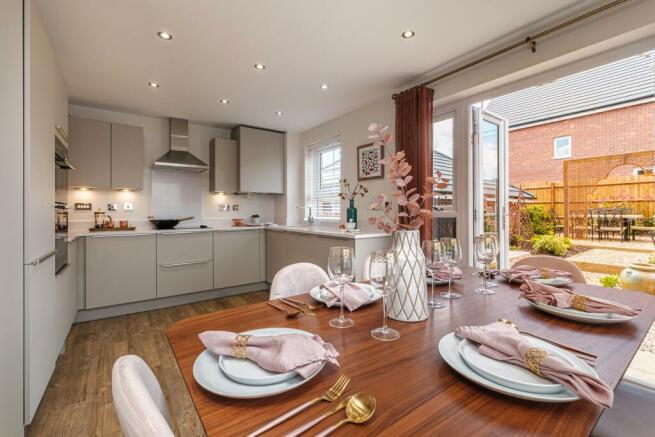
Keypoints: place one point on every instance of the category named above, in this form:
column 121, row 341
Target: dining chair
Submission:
column 139, row 401
column 297, row 278
column 612, row 223
column 643, row 228
column 631, row 415
column 553, row 262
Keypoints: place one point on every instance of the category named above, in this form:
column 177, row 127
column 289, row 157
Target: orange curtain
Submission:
column 414, row 136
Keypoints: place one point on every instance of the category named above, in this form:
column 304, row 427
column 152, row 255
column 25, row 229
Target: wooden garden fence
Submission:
column 636, row 192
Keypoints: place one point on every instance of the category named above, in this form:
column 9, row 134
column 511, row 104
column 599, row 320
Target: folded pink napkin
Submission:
column 564, row 298
column 354, row 295
column 525, row 271
column 503, row 342
column 277, row 353
column 442, row 272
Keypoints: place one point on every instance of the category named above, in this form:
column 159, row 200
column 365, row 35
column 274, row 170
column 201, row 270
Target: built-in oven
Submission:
column 62, row 167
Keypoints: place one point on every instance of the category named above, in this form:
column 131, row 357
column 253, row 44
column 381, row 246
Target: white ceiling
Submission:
column 108, row 51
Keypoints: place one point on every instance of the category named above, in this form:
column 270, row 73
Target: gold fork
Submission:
column 309, row 306
column 298, row 307
column 332, row 394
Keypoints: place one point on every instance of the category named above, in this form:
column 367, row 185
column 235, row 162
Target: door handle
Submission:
column 188, row 263
column 43, row 258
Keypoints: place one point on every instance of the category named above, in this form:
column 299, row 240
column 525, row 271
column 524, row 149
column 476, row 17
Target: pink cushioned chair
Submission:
column 139, row 401
column 297, row 278
column 553, row 262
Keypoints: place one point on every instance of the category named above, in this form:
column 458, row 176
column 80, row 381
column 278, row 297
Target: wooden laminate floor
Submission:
column 78, row 399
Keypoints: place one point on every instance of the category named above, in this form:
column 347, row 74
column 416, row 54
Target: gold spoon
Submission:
column 359, row 409
column 340, row 406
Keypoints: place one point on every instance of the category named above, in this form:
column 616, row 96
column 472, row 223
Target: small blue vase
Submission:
column 351, row 213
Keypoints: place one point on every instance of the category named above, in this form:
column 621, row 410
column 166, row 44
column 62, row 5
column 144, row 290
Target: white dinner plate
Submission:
column 320, row 294
column 248, row 372
column 511, row 375
column 449, row 351
column 208, row 375
column 582, row 316
column 555, row 281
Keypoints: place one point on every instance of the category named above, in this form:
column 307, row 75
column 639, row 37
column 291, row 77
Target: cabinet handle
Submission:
column 188, row 263
column 119, row 235
column 182, row 232
column 43, row 258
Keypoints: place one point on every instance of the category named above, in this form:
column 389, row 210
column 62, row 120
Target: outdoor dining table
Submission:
column 417, row 392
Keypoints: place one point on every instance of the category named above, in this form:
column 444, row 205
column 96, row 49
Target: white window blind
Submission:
column 322, row 176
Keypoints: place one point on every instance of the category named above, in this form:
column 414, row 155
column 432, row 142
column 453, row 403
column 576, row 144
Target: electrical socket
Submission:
column 235, row 207
column 128, row 206
column 112, row 206
column 223, row 208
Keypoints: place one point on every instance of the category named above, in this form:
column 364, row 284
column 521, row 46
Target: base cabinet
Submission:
column 184, row 263
column 120, row 269
column 236, row 258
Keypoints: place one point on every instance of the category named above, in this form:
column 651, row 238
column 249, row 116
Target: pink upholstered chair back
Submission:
column 139, row 401
column 553, row 262
column 297, row 278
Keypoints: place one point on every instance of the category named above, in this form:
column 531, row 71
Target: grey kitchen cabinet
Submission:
column 184, row 262
column 89, row 143
column 223, row 166
column 236, row 258
column 120, row 269
column 261, row 160
column 276, row 253
column 105, row 155
column 127, row 160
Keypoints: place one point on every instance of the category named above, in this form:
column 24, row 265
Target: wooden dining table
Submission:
column 417, row 392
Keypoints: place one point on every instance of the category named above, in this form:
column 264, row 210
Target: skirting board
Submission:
column 154, row 304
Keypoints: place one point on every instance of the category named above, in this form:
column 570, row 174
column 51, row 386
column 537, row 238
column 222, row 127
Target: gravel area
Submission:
column 606, row 256
column 640, row 244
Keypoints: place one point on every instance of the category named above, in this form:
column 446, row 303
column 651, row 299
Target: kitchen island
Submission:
column 122, row 272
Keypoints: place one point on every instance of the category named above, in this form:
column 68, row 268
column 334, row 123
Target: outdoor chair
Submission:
column 595, row 215
column 612, row 223
column 580, row 224
column 558, row 226
column 643, row 229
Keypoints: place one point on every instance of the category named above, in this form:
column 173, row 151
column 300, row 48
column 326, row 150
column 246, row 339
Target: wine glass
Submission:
column 340, row 269
column 432, row 262
column 450, row 254
column 486, row 249
column 380, row 269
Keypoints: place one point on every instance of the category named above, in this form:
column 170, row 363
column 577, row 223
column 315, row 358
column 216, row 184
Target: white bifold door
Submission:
column 490, row 183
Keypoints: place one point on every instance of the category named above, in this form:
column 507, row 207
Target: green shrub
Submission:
column 609, row 281
column 651, row 259
column 540, row 219
column 551, row 245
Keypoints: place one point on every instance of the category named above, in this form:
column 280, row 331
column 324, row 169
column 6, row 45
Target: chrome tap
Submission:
column 310, row 218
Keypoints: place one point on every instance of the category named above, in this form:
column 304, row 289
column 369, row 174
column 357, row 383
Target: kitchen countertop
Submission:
column 310, row 230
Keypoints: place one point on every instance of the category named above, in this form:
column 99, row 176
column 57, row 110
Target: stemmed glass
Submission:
column 486, row 249
column 450, row 254
column 431, row 251
column 380, row 270
column 340, row 269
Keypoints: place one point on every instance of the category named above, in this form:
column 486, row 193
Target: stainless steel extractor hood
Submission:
column 179, row 157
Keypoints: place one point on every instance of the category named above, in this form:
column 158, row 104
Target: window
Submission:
column 562, row 148
column 443, row 134
column 322, row 176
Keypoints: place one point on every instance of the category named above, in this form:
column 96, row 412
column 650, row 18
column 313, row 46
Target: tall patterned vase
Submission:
column 408, row 300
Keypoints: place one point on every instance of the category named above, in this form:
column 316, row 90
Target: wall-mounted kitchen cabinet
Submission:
column 223, row 165
column 106, row 155
column 127, row 158
column 261, row 160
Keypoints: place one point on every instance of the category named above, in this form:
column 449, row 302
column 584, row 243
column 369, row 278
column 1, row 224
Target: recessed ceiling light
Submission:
column 224, row 101
column 279, row 113
column 153, row 84
column 165, row 35
column 259, row 66
column 324, row 86
column 408, row 33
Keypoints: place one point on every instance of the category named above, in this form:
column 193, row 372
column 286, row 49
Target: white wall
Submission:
column 352, row 129
column 11, row 231
column 193, row 195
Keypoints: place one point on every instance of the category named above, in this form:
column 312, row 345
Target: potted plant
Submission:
column 351, row 194
column 254, row 219
column 409, row 302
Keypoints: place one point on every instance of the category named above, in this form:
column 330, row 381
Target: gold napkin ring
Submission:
column 239, row 346
column 579, row 302
column 533, row 359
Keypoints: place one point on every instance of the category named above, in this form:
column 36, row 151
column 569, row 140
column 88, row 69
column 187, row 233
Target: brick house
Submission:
column 603, row 111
